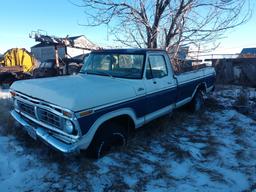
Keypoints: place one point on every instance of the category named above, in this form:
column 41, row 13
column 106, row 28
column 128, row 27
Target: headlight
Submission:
column 68, row 127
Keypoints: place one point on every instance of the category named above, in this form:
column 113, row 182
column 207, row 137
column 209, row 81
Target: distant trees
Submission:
column 166, row 23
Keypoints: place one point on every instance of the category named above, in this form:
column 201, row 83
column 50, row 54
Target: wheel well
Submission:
column 202, row 87
column 124, row 120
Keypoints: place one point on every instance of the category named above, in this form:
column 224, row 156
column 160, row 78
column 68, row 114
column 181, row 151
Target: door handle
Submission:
column 154, row 82
column 140, row 89
column 169, row 83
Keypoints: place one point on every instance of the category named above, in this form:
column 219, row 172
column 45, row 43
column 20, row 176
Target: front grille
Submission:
column 26, row 108
column 41, row 114
column 49, row 118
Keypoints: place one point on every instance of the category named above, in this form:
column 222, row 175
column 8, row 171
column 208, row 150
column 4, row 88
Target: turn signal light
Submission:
column 67, row 114
column 86, row 113
column 13, row 93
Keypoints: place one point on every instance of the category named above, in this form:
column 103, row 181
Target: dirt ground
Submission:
column 214, row 150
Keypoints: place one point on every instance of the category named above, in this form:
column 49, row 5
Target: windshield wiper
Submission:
column 99, row 73
column 82, row 72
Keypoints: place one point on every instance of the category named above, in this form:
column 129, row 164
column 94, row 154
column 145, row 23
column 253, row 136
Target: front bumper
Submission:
column 39, row 132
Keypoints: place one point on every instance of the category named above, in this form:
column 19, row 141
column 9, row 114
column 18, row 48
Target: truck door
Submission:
column 159, row 82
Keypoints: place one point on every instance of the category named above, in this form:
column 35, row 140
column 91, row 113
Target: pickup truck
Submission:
column 116, row 91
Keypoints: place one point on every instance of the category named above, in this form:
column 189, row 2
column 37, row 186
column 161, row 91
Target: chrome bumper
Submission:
column 44, row 136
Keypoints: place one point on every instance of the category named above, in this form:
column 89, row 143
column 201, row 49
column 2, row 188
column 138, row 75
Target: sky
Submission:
column 61, row 18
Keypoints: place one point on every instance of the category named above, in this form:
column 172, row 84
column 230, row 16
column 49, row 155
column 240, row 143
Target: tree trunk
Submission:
column 152, row 41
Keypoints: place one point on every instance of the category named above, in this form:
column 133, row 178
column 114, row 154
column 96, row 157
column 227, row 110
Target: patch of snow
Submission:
column 157, row 148
column 158, row 185
column 149, row 156
column 130, row 180
column 105, row 163
column 180, row 170
column 211, row 152
column 146, row 168
column 4, row 93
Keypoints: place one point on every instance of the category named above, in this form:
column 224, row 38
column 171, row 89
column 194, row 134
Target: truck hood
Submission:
column 77, row 92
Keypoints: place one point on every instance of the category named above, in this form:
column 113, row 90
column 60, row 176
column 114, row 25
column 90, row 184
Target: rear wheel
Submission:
column 109, row 135
column 197, row 102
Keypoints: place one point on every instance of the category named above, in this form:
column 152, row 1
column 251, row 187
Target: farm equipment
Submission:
column 61, row 62
column 65, row 57
column 16, row 64
column 49, row 67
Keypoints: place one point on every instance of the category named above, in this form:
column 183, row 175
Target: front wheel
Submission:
column 109, row 135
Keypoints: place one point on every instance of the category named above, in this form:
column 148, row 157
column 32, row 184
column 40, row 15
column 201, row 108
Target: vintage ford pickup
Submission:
column 116, row 91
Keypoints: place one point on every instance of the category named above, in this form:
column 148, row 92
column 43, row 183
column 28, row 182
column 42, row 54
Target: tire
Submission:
column 111, row 134
column 197, row 102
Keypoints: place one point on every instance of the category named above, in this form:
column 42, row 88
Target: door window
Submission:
column 156, row 67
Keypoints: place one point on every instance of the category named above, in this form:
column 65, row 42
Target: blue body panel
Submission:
column 141, row 106
column 148, row 103
column 185, row 90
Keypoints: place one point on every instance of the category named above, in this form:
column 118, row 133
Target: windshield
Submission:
column 114, row 65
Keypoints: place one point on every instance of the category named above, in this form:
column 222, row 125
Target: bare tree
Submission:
column 166, row 24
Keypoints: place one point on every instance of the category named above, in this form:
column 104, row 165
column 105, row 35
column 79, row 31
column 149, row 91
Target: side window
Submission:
column 156, row 67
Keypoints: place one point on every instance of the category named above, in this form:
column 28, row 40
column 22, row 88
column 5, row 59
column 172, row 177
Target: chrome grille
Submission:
column 40, row 114
column 26, row 108
column 49, row 117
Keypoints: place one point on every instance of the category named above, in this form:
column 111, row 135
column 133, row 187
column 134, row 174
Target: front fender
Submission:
column 86, row 139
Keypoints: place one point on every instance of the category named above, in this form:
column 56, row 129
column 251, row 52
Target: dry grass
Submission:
column 212, row 104
column 214, row 176
column 8, row 126
column 243, row 98
column 239, row 131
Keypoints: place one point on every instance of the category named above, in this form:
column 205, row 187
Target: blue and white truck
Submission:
column 116, row 91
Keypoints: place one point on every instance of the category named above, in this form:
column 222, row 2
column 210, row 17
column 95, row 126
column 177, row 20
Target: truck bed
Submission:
column 187, row 83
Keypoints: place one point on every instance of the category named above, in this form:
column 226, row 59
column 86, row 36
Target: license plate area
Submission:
column 31, row 132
